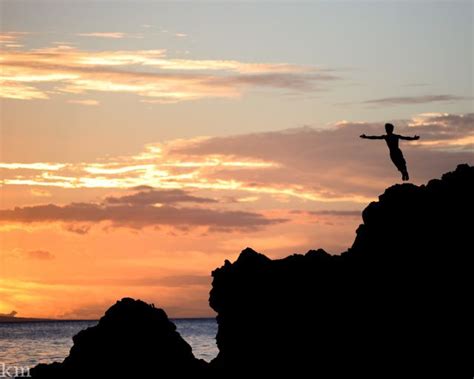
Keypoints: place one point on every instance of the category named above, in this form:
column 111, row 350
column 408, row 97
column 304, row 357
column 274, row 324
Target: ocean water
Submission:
column 27, row 344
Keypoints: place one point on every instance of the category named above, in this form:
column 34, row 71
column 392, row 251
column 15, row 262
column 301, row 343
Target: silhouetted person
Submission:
column 395, row 153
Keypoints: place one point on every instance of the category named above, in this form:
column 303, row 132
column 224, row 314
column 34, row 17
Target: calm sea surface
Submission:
column 27, row 344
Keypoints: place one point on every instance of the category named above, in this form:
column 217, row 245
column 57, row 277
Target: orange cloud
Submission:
column 148, row 207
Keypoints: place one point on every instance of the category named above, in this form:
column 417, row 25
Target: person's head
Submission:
column 389, row 128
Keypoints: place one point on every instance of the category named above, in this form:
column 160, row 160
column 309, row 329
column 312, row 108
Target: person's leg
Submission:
column 403, row 167
column 399, row 161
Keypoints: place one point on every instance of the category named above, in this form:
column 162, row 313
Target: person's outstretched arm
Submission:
column 410, row 138
column 371, row 137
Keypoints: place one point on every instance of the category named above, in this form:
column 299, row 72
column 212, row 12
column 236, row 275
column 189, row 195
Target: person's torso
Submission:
column 392, row 141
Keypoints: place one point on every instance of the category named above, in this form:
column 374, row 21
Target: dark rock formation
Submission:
column 132, row 340
column 396, row 301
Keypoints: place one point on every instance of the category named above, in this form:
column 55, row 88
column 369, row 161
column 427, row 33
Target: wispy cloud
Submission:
column 416, row 84
column 38, row 192
column 151, row 196
column 111, row 35
column 15, row 90
column 11, row 37
column 149, row 74
column 32, row 166
column 14, row 45
column 407, row 100
column 330, row 212
column 84, row 102
column 184, row 280
column 43, row 255
column 77, row 228
column 178, row 280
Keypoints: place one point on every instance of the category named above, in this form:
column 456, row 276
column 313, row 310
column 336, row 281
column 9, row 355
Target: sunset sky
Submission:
column 144, row 142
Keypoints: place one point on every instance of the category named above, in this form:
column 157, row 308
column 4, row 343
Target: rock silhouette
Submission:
column 133, row 339
column 396, row 302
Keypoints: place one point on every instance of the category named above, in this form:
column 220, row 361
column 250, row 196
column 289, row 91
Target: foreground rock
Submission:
column 133, row 339
column 396, row 301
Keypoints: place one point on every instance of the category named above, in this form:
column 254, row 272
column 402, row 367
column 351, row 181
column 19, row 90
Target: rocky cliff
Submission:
column 396, row 302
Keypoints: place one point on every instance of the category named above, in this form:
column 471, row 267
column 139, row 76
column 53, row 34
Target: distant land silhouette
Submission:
column 11, row 314
column 396, row 154
column 396, row 302
column 12, row 318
